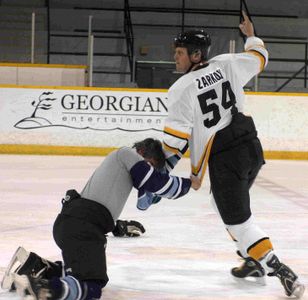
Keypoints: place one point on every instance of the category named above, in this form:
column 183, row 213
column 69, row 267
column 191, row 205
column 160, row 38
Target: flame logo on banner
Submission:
column 34, row 121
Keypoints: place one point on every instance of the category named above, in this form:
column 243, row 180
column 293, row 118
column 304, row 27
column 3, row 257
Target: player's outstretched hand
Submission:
column 125, row 228
column 246, row 26
column 195, row 182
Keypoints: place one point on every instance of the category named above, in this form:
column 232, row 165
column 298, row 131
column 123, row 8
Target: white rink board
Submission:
column 281, row 120
column 117, row 117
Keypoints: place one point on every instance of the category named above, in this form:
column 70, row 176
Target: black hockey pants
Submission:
column 235, row 161
column 79, row 231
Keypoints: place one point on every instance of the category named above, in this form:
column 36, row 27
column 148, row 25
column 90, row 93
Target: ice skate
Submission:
column 29, row 288
column 31, row 264
column 288, row 279
column 250, row 271
column 19, row 258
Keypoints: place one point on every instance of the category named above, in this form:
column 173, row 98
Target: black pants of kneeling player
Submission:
column 232, row 173
column 83, row 247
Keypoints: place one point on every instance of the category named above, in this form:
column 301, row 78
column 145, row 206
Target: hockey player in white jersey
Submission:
column 205, row 115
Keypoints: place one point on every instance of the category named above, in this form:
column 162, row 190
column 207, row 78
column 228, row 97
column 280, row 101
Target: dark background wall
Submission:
column 61, row 30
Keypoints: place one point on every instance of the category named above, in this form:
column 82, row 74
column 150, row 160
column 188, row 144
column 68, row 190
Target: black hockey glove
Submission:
column 128, row 229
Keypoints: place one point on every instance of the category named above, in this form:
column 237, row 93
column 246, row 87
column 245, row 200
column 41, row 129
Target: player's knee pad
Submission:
column 250, row 239
column 233, row 206
column 236, row 217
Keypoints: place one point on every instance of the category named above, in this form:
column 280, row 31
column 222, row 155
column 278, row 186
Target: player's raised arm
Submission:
column 246, row 26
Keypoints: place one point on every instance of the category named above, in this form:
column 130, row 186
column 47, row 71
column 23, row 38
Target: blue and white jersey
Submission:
column 146, row 178
column 123, row 169
column 152, row 185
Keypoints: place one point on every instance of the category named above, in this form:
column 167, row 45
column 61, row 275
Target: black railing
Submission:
column 288, row 60
column 182, row 10
column 243, row 5
column 47, row 4
column 129, row 35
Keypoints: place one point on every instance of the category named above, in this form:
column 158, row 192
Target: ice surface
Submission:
column 185, row 252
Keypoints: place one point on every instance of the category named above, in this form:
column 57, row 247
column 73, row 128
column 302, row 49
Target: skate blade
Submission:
column 255, row 281
column 19, row 258
column 299, row 290
column 22, row 285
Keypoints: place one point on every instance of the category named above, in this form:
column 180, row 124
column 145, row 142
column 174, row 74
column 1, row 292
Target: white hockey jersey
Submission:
column 200, row 102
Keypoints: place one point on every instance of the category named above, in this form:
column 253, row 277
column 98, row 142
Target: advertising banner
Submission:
column 117, row 117
column 80, row 117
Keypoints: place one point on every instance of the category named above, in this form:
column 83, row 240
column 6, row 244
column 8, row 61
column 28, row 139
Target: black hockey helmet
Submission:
column 194, row 40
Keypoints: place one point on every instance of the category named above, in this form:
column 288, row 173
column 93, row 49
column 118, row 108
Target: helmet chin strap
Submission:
column 189, row 69
column 192, row 65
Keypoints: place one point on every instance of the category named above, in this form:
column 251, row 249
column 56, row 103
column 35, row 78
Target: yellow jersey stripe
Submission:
column 260, row 56
column 171, row 149
column 204, row 159
column 207, row 156
column 176, row 133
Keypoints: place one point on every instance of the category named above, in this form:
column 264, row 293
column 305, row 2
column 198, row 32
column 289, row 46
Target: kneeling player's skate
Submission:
column 31, row 264
column 30, row 288
column 250, row 271
column 288, row 278
column 19, row 258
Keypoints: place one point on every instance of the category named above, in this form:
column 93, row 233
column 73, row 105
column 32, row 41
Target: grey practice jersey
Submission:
column 123, row 169
column 111, row 183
